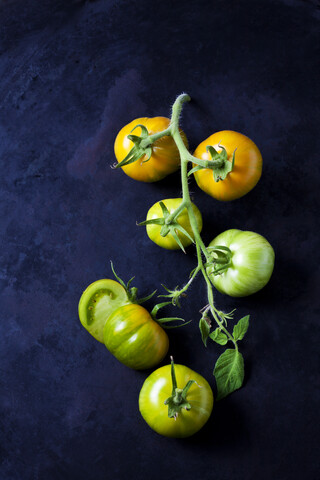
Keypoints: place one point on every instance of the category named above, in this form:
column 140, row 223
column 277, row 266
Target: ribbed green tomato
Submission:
column 250, row 264
column 134, row 338
column 168, row 242
column 97, row 302
column 158, row 387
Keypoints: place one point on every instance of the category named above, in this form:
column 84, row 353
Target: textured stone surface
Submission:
column 73, row 73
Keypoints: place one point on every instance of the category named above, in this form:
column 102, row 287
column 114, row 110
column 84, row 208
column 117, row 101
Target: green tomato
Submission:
column 134, row 338
column 98, row 302
column 168, row 241
column 161, row 397
column 249, row 266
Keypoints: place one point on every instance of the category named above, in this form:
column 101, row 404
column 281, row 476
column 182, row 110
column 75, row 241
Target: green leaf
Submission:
column 240, row 329
column 219, row 337
column 204, row 329
column 229, row 372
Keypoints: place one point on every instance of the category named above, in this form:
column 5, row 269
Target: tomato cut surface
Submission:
column 98, row 302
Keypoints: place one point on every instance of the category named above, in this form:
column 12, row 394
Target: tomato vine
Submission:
column 212, row 260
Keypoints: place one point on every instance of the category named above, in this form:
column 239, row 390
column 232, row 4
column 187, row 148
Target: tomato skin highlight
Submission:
column 246, row 171
column 165, row 158
column 99, row 300
column 168, row 242
column 158, row 387
column 134, row 338
column 252, row 263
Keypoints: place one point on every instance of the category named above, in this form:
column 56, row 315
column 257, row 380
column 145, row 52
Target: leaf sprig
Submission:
column 229, row 368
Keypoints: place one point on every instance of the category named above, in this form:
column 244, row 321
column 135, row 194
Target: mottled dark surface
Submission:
column 73, row 73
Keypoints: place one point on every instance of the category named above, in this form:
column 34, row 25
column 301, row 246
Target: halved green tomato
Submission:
column 98, row 302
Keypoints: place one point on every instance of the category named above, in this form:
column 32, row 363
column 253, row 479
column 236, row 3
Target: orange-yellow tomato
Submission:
column 165, row 158
column 246, row 171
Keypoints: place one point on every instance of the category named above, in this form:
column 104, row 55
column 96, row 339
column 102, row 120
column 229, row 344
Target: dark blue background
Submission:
column 71, row 75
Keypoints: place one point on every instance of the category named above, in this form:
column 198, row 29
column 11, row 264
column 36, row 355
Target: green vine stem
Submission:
column 186, row 157
column 147, row 142
column 229, row 368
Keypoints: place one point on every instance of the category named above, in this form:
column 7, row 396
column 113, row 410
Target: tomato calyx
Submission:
column 174, row 294
column 220, row 259
column 132, row 292
column 169, row 224
column 219, row 163
column 178, row 399
column 140, row 149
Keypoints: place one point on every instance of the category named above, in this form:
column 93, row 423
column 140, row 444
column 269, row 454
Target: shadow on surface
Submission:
column 225, row 418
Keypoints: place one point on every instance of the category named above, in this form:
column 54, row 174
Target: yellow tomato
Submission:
column 165, row 158
column 246, row 171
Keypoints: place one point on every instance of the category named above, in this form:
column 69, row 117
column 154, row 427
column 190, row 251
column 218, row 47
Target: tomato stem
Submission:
column 217, row 255
column 147, row 142
column 178, row 399
column 175, row 214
